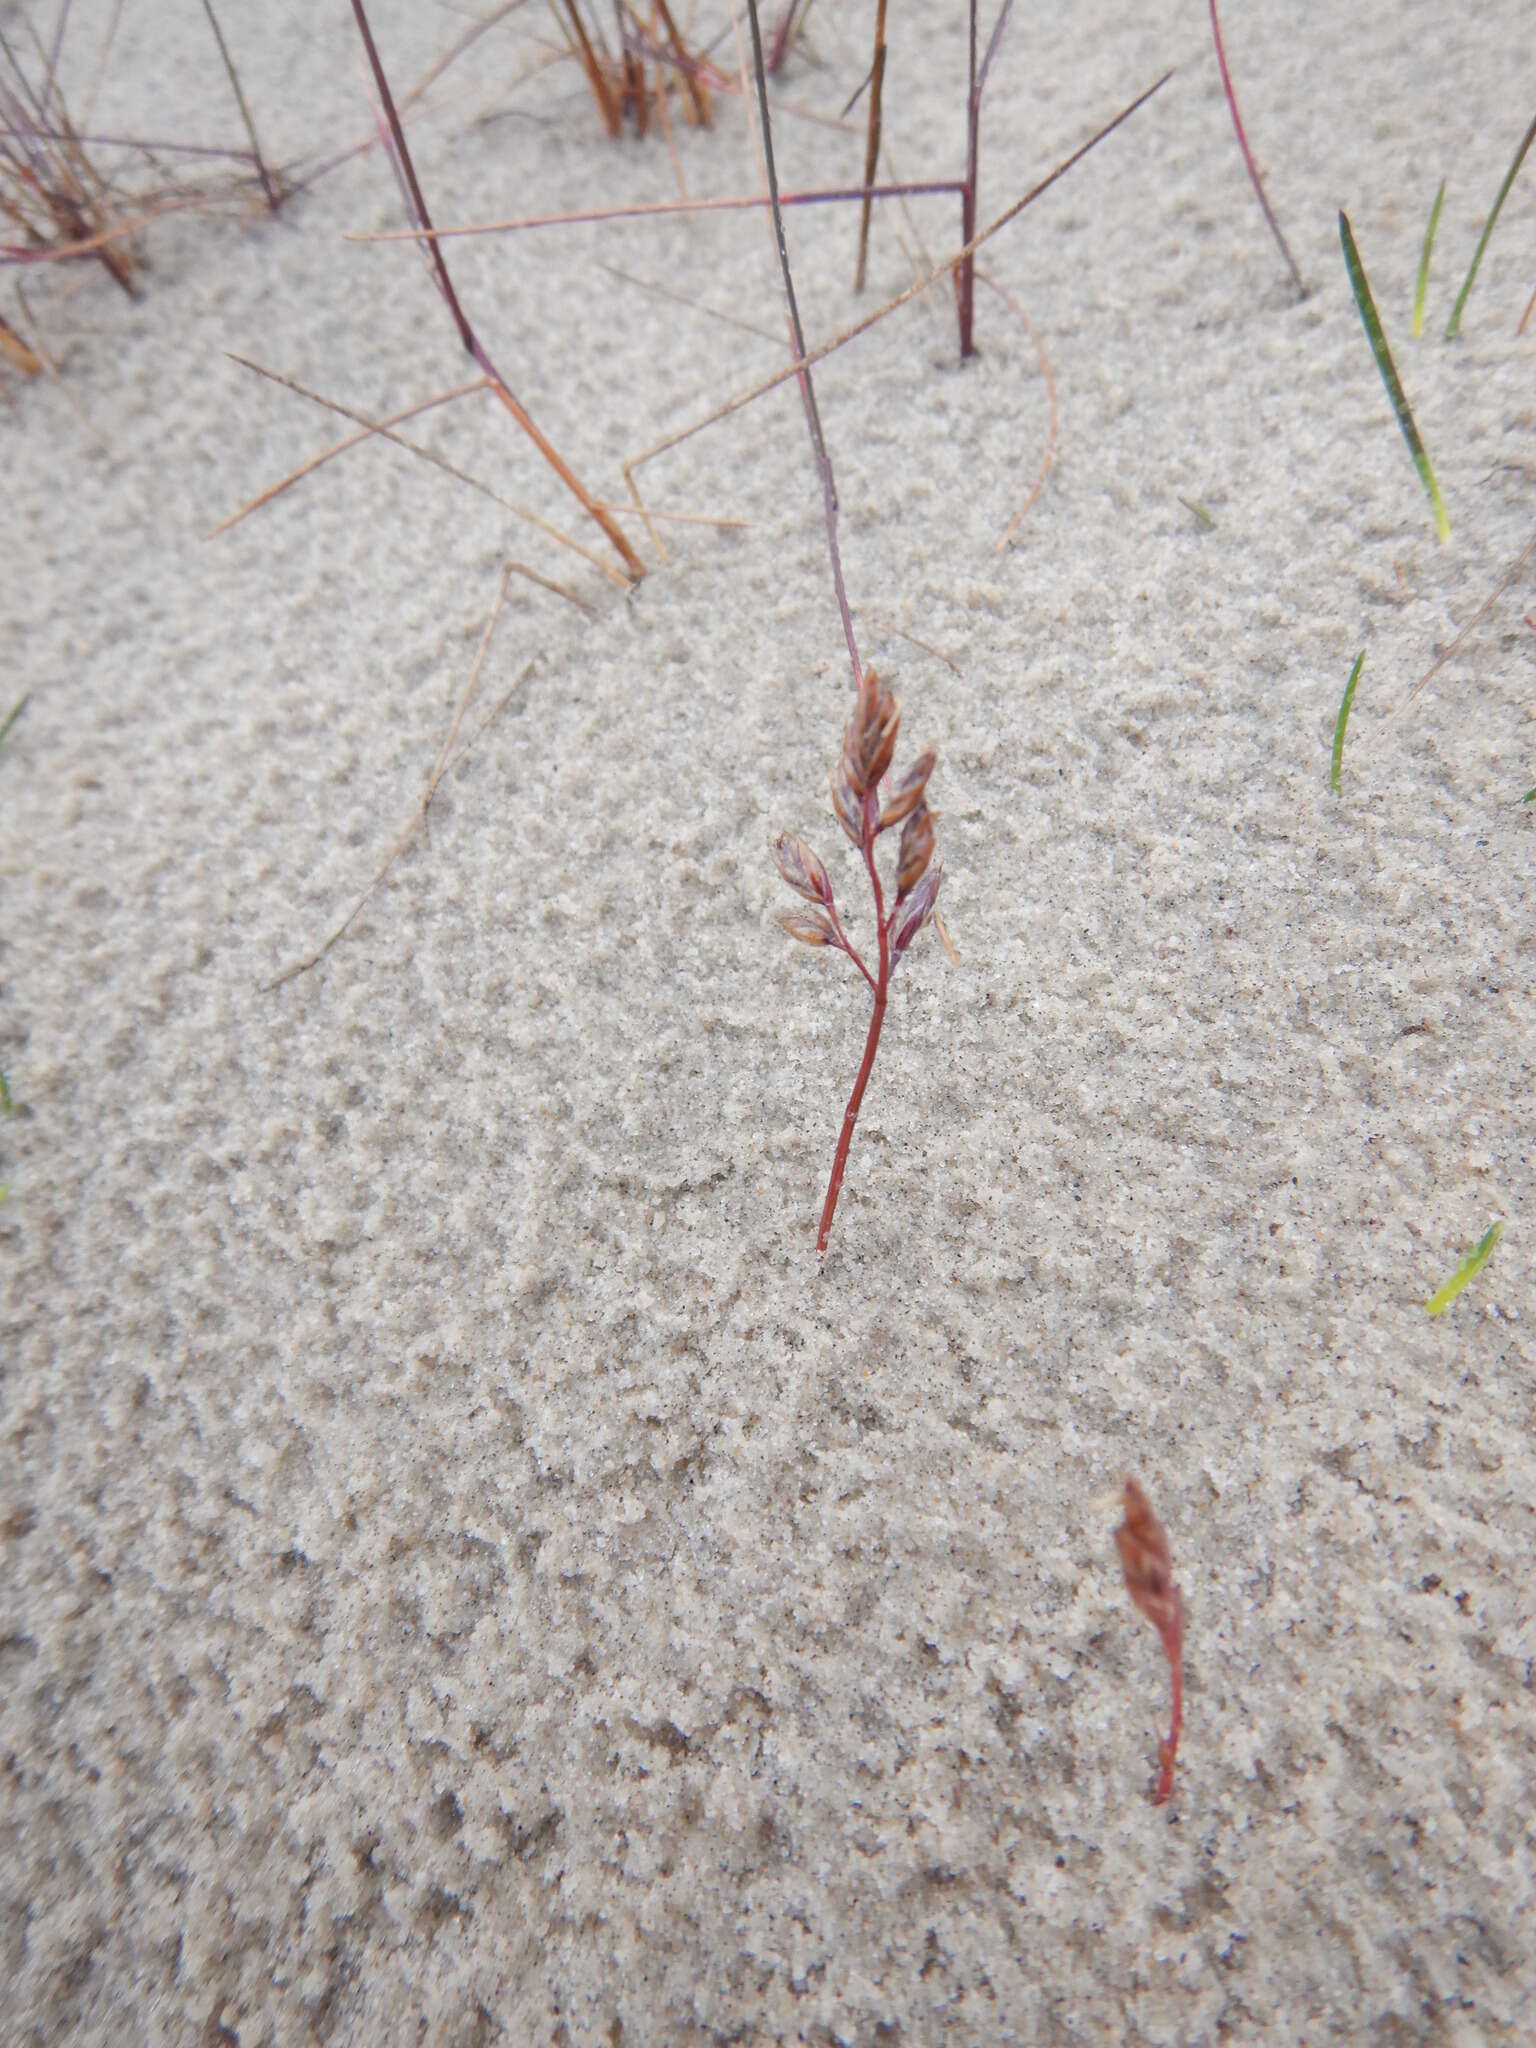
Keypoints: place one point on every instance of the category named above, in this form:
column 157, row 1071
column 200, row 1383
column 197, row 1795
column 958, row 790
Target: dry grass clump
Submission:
column 650, row 61
column 69, row 195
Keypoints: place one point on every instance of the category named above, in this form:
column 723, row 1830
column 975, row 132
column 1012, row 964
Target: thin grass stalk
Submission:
column 1253, row 170
column 1421, row 285
column 658, row 209
column 467, row 335
column 868, row 744
column 274, row 199
column 872, row 141
column 1453, row 325
column 918, row 289
column 797, row 334
column 685, row 65
column 965, row 276
column 607, row 105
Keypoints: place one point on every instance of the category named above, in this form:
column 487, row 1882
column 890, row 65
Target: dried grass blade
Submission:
column 1049, row 456
column 797, row 336
column 417, row 819
column 273, row 196
column 872, row 140
column 1477, row 617
column 915, row 290
column 462, row 476
column 467, row 335
column 294, row 476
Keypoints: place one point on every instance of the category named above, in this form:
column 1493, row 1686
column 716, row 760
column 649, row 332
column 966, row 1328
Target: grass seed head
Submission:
column 801, row 869
column 810, row 927
column 870, row 738
column 912, row 915
column 908, row 793
column 916, row 851
column 847, row 806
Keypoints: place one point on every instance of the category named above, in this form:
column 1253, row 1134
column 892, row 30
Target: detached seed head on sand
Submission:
column 866, row 805
column 1147, row 1561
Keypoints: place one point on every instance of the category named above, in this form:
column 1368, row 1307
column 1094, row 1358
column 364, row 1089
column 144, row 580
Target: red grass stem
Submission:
column 732, row 202
column 881, row 987
column 1253, row 169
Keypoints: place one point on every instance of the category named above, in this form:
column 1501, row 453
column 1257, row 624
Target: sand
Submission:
column 470, row 1573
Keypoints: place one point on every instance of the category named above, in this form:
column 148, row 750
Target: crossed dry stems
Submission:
column 866, row 805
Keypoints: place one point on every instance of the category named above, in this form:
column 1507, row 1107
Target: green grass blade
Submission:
column 6, row 1105
column 1470, row 1266
column 1529, row 797
column 1205, row 517
column 1389, row 377
column 1453, row 325
column 1343, row 720
column 13, row 714
column 1429, row 242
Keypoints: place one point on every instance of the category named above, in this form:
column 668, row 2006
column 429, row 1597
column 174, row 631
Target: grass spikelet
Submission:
column 1472, row 1264
column 1147, row 1562
column 1339, row 724
column 1453, row 325
column 1361, row 286
column 1422, row 286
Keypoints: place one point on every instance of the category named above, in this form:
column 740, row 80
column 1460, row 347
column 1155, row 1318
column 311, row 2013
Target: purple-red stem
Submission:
column 965, row 276
column 1253, row 169
column 779, row 48
column 872, row 1041
column 872, row 140
column 797, row 346
column 1168, row 1751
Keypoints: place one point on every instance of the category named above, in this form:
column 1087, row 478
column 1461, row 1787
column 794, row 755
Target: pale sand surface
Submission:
column 468, row 1575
